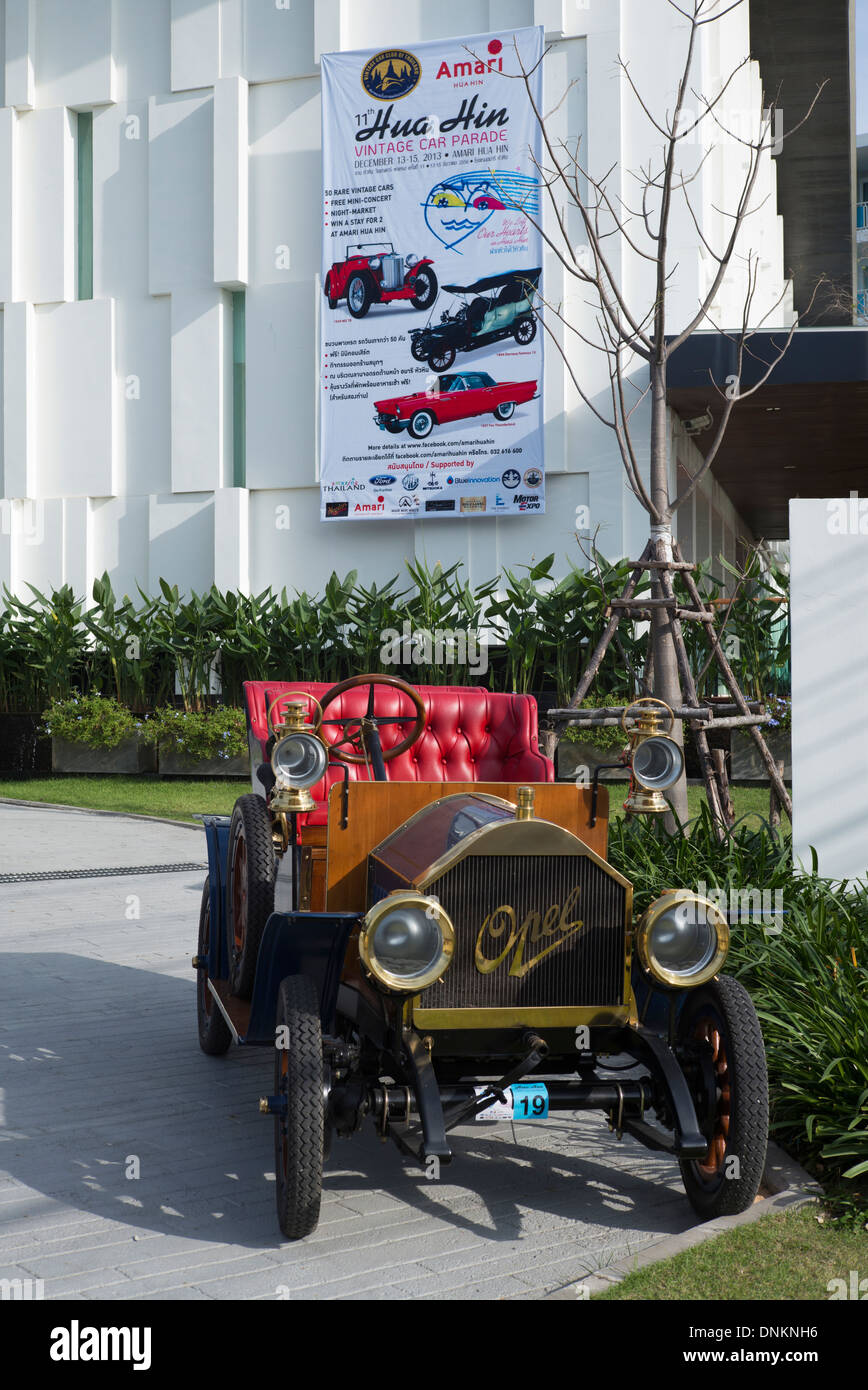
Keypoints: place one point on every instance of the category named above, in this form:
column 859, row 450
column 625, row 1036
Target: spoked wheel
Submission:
column 359, row 296
column 441, row 359
column 299, row 1127
column 418, row 349
column 249, row 889
column 525, row 331
column 725, row 1048
column 504, row 410
column 214, row 1035
column 426, row 288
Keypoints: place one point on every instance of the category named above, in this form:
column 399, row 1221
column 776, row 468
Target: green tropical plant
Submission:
column 98, row 721
column 199, row 734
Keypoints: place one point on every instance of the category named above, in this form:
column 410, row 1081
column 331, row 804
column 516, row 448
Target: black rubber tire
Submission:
column 421, row 424
column 424, row 301
column 299, row 1134
column 724, row 1005
column 505, row 410
column 215, row 1037
column 394, row 426
column 367, row 298
column 525, row 331
column 418, row 349
column 332, row 302
column 440, row 360
column 250, row 851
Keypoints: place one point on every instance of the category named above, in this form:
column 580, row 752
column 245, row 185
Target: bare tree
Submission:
column 628, row 335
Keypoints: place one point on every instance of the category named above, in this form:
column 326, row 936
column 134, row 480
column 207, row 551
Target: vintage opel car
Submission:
column 371, row 273
column 424, row 927
column 502, row 307
column 455, row 397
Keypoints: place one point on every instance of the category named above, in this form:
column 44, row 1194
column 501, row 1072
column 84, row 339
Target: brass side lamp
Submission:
column 299, row 757
column 656, row 761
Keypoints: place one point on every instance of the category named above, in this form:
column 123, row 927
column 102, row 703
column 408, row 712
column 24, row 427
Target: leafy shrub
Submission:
column 608, row 739
column 96, row 720
column 199, row 734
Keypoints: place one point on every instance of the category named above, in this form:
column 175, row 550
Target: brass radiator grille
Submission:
column 527, row 910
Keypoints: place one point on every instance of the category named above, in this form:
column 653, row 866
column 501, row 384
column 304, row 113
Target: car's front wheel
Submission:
column 421, row 424
column 525, row 331
column 394, row 426
column 441, row 359
column 299, row 1124
column 425, row 285
column 504, row 410
column 214, row 1035
column 360, row 296
column 722, row 1045
column 418, row 349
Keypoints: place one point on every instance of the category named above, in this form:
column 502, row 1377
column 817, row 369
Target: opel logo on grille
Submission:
column 555, row 926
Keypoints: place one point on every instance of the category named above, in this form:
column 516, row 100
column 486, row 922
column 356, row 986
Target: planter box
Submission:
column 174, row 764
column 22, row 750
column 748, row 766
column 572, row 756
column 130, row 756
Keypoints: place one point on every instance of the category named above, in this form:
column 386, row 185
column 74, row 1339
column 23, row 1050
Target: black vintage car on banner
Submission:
column 423, row 926
column 501, row 307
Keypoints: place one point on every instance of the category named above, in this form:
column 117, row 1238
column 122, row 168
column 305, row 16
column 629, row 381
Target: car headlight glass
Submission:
column 407, row 941
column 682, row 939
column 410, row 261
column 375, row 263
column 299, row 759
column 657, row 762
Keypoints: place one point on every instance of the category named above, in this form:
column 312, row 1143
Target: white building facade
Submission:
column 160, row 235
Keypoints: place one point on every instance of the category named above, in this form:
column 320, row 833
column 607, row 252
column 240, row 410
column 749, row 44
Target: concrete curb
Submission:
column 790, row 1187
column 94, row 811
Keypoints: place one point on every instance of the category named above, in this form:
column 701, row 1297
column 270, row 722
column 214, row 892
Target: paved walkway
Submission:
column 102, row 1078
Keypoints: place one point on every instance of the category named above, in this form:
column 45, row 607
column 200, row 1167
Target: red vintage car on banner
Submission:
column 371, row 273
column 455, row 397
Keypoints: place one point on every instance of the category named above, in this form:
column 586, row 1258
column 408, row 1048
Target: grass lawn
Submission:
column 790, row 1256
column 179, row 798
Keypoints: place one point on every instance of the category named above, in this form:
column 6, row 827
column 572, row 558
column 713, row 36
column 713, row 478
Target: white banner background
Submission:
column 441, row 172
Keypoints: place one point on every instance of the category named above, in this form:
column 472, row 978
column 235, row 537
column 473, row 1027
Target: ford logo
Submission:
column 383, row 480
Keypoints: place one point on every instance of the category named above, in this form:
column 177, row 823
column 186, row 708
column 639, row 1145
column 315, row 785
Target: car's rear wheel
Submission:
column 504, row 410
column 426, row 289
column 441, row 359
column 725, row 1052
column 249, row 889
column 214, row 1035
column 421, row 424
column 299, row 1125
column 332, row 302
column 360, row 295
column 525, row 331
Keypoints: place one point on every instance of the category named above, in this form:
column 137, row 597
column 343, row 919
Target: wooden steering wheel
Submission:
column 354, row 739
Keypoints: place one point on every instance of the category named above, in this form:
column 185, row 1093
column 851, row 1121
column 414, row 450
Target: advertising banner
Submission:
column 431, row 344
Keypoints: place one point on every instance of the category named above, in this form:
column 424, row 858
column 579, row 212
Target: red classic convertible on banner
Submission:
column 455, row 397
column 372, row 273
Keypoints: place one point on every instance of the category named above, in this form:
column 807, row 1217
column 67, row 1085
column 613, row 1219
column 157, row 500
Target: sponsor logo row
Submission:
column 511, row 478
column 524, row 502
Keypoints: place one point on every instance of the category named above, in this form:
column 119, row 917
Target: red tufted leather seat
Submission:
column 471, row 735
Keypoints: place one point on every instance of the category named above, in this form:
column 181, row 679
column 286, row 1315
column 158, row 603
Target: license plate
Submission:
column 524, row 1101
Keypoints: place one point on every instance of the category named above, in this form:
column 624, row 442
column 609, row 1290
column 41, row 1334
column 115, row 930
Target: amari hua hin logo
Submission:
column 391, row 74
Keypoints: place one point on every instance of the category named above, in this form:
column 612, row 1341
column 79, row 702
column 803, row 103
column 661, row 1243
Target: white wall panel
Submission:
column 195, row 43
column 181, row 535
column 45, row 261
column 8, row 135
column 230, row 182
column 141, row 36
column 281, row 386
column 120, row 201
column 200, row 324
column 119, row 536
column 19, row 403
column 20, row 40
column 37, row 549
column 285, row 181
column 181, row 180
column 279, row 42
column 76, row 398
column 232, row 539
column 77, row 570
column 385, row 23
column 74, row 64
column 143, row 395
column 828, row 598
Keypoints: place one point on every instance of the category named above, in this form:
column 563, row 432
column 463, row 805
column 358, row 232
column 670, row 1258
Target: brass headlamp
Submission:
column 656, row 761
column 299, row 758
